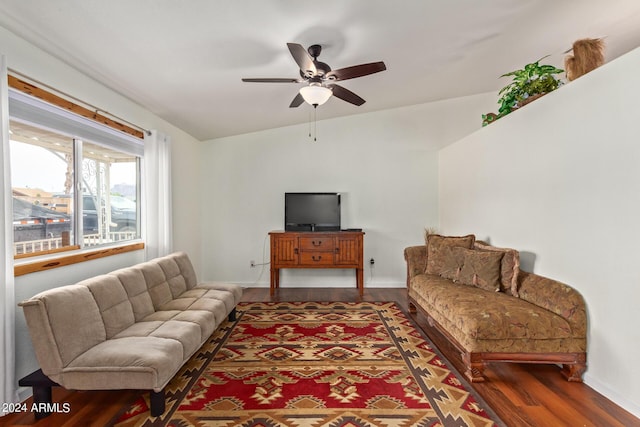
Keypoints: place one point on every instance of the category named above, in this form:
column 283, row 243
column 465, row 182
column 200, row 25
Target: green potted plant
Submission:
column 529, row 83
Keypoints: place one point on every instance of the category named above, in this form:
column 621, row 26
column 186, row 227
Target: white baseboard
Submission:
column 615, row 397
column 375, row 284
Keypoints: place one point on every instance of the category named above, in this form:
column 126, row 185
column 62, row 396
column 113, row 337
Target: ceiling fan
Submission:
column 320, row 77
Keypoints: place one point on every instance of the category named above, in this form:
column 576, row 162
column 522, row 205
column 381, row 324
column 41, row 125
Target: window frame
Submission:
column 29, row 104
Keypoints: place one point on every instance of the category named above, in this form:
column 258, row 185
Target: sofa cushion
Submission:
column 173, row 275
column 113, row 302
column 484, row 315
column 75, row 320
column 509, row 268
column 156, row 283
column 123, row 363
column 228, row 297
column 133, row 282
column 140, row 329
column 214, row 305
column 186, row 333
column 480, row 268
column 186, row 268
column 206, row 320
column 232, row 288
column 436, row 252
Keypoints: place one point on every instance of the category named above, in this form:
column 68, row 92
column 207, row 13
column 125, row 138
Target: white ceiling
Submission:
column 183, row 59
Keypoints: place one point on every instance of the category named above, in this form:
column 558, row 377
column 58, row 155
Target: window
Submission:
column 75, row 183
column 41, row 178
column 109, row 195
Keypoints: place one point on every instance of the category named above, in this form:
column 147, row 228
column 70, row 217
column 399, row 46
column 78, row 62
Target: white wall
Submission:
column 27, row 59
column 384, row 164
column 560, row 180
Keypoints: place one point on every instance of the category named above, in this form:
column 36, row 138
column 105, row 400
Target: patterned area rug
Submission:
column 317, row 364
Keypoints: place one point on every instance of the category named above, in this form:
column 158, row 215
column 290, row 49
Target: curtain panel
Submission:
column 8, row 389
column 158, row 234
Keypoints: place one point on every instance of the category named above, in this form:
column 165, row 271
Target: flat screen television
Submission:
column 312, row 211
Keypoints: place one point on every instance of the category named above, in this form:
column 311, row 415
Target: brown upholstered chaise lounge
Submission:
column 491, row 311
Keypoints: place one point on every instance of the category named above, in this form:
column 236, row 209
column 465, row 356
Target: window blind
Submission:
column 34, row 111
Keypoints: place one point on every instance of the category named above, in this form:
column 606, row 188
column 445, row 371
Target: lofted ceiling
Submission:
column 184, row 59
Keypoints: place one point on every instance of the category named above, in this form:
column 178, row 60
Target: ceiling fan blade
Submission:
column 357, row 71
column 346, row 95
column 272, row 80
column 297, row 101
column 303, row 59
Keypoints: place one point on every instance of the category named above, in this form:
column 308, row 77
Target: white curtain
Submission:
column 156, row 185
column 8, row 390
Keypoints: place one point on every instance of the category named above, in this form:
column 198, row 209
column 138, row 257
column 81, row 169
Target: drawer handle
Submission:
column 337, row 250
column 318, row 258
column 295, row 251
column 316, row 243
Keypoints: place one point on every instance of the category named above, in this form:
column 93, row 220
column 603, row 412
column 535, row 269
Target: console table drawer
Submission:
column 316, row 258
column 316, row 243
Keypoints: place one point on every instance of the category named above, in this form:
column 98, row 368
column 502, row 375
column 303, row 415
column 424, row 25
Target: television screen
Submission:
column 312, row 211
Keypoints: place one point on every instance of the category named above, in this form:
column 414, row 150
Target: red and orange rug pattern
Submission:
column 333, row 364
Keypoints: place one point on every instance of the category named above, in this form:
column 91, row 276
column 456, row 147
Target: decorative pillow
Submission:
column 481, row 269
column 453, row 262
column 509, row 268
column 435, row 243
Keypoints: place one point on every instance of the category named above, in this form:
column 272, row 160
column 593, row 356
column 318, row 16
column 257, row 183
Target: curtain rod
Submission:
column 66, row 95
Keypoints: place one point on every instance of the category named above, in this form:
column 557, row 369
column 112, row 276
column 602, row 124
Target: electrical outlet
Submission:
column 372, row 262
column 252, row 263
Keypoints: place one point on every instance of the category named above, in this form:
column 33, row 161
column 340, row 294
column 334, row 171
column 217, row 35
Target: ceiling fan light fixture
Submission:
column 315, row 94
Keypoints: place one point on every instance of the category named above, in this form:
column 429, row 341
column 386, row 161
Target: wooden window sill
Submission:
column 48, row 264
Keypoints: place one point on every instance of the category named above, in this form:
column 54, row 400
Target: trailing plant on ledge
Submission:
column 533, row 80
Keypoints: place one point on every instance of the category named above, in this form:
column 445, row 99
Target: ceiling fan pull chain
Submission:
column 315, row 123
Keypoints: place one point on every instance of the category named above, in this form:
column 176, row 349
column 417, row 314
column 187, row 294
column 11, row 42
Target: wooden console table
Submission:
column 318, row 249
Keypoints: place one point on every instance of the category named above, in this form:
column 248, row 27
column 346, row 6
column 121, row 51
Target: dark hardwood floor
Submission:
column 522, row 395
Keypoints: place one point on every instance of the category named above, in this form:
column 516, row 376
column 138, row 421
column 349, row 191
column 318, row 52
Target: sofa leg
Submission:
column 412, row 308
column 42, row 397
column 573, row 372
column 232, row 315
column 474, row 369
column 156, row 399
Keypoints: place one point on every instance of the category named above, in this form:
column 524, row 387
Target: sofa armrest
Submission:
column 556, row 297
column 416, row 257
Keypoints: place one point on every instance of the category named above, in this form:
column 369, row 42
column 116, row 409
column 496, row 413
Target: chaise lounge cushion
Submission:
column 472, row 267
column 485, row 321
column 509, row 269
column 437, row 250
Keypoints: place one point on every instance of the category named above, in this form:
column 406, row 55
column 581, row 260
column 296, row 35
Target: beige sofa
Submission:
column 491, row 311
column 133, row 328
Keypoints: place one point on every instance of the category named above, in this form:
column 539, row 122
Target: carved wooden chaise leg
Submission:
column 412, row 308
column 573, row 371
column 474, row 369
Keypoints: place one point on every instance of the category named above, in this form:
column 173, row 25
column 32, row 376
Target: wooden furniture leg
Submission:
column 275, row 280
column 41, row 386
column 157, row 403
